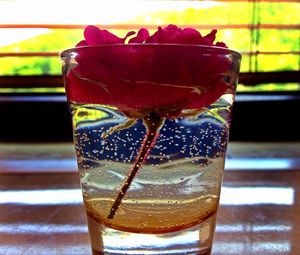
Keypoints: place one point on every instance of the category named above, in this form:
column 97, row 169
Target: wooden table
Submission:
column 41, row 210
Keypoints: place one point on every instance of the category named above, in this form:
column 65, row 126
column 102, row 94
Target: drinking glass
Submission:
column 150, row 127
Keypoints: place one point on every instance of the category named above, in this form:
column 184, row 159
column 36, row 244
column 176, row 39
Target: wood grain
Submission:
column 42, row 212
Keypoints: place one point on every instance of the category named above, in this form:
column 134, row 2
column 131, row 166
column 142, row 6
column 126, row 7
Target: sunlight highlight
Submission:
column 229, row 196
column 10, row 36
column 259, row 163
column 40, row 228
column 257, row 195
column 91, row 12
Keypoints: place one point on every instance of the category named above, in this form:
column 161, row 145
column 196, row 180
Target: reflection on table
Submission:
column 42, row 211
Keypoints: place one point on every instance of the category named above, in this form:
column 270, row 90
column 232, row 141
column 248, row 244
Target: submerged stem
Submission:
column 153, row 123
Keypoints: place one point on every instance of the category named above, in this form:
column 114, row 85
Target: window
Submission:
column 32, row 33
column 266, row 32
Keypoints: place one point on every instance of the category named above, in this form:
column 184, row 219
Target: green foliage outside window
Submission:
column 277, row 40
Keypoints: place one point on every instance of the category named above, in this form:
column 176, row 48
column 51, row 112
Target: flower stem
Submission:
column 153, row 123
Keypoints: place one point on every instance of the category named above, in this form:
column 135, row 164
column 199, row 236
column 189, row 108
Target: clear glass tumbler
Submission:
column 150, row 126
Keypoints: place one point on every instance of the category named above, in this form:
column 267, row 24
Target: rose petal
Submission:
column 172, row 27
column 211, row 36
column 190, row 36
column 81, row 43
column 95, row 36
column 170, row 34
column 110, row 38
column 221, row 44
column 153, row 38
column 130, row 33
column 141, row 37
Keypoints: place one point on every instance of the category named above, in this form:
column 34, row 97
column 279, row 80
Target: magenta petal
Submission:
column 141, row 37
column 130, row 33
column 93, row 35
column 221, row 44
column 110, row 38
column 159, row 32
column 211, row 36
column 190, row 36
column 170, row 34
column 81, row 43
column 157, row 37
column 172, row 27
column 153, row 38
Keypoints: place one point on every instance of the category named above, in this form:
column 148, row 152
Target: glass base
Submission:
column 196, row 240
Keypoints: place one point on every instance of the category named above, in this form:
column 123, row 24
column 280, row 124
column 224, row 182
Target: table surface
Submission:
column 42, row 211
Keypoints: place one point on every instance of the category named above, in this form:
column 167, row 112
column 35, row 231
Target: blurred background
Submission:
column 265, row 32
column 32, row 33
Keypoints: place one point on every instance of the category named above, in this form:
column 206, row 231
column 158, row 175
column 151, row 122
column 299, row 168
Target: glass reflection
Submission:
column 253, row 228
column 228, row 248
column 45, row 249
column 41, row 197
column 229, row 196
column 260, row 163
column 69, row 228
column 34, row 165
column 42, row 228
column 219, row 248
column 62, row 165
column 257, row 195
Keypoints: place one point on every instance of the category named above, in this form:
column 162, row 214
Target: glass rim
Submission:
column 65, row 52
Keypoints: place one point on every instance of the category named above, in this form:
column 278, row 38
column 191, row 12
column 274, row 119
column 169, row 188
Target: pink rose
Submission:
column 167, row 72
